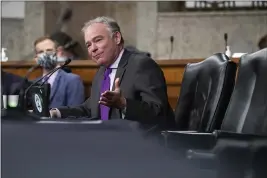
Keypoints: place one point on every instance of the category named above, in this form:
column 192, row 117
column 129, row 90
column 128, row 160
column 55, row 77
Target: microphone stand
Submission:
column 48, row 74
column 225, row 41
column 171, row 40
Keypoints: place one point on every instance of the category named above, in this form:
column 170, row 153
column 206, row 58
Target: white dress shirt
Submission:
column 52, row 78
column 112, row 75
column 114, row 68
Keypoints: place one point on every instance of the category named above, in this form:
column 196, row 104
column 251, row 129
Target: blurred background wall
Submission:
column 146, row 25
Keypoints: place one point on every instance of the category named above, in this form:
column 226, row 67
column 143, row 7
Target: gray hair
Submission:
column 111, row 24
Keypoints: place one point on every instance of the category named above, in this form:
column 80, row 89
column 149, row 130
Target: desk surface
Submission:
column 111, row 149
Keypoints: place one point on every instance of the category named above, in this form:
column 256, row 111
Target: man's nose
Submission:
column 93, row 48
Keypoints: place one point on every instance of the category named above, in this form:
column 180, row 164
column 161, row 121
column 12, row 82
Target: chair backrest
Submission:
column 247, row 110
column 205, row 93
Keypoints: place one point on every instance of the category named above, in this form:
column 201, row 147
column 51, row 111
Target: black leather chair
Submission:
column 205, row 93
column 246, row 117
column 234, row 159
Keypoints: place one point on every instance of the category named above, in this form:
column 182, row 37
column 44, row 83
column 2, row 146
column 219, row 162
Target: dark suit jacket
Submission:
column 67, row 90
column 11, row 83
column 142, row 83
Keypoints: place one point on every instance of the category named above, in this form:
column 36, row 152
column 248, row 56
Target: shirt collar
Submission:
column 54, row 74
column 117, row 61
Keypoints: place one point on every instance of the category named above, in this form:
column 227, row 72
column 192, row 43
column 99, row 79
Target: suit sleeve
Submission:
column 75, row 92
column 152, row 106
column 82, row 110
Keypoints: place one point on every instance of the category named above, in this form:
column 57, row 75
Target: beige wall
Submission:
column 196, row 35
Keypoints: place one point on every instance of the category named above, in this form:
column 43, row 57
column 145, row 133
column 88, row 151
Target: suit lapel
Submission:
column 55, row 85
column 96, row 92
column 100, row 75
column 121, row 67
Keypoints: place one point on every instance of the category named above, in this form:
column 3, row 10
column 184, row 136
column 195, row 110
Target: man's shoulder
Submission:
column 13, row 77
column 140, row 58
column 70, row 76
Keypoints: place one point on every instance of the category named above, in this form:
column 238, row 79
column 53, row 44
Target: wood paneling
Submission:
column 173, row 71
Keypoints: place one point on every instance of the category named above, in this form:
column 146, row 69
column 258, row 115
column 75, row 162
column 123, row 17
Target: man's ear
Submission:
column 35, row 58
column 118, row 38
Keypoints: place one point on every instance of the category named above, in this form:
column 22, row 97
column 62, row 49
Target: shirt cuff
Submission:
column 123, row 112
column 55, row 113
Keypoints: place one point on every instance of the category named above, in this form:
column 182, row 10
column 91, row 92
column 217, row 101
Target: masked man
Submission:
column 66, row 88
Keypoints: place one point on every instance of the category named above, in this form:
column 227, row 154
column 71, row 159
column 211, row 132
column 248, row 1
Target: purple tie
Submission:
column 105, row 86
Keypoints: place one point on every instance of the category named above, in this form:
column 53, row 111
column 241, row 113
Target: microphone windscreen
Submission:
column 67, row 14
column 67, row 61
column 225, row 36
column 171, row 39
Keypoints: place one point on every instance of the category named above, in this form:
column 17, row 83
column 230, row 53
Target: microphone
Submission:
column 225, row 39
column 227, row 48
column 70, row 44
column 64, row 17
column 171, row 40
column 33, row 68
column 48, row 74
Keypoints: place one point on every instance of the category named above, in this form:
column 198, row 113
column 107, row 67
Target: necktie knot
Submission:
column 107, row 72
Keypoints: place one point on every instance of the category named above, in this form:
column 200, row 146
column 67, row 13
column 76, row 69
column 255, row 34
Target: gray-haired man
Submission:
column 128, row 85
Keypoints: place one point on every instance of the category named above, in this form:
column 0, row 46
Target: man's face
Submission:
column 46, row 46
column 101, row 46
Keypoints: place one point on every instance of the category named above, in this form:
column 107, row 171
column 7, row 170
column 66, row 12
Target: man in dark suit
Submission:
column 128, row 85
column 66, row 88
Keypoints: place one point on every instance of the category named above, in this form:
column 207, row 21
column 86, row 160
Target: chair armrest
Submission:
column 185, row 140
column 181, row 131
column 226, row 141
column 226, row 135
column 203, row 159
column 227, row 155
column 200, row 154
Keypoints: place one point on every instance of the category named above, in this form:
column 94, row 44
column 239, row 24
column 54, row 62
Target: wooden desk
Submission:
column 172, row 69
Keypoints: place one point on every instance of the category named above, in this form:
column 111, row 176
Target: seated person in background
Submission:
column 66, row 88
column 263, row 42
column 11, row 83
column 128, row 85
column 65, row 48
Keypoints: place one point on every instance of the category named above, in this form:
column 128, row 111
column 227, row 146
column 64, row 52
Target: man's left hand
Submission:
column 113, row 98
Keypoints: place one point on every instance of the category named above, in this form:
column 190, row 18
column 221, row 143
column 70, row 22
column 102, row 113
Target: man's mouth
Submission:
column 97, row 56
